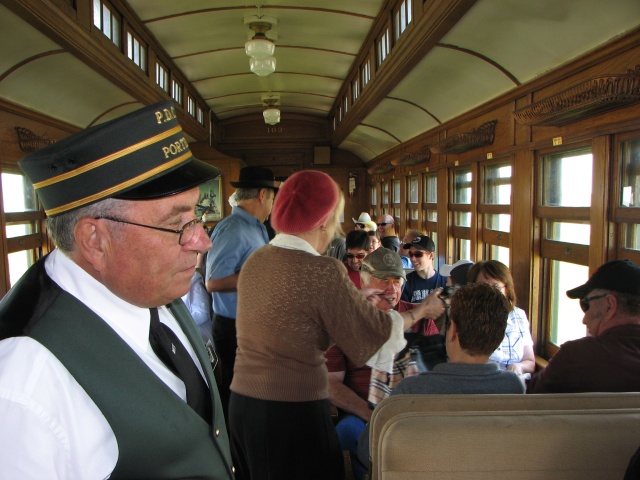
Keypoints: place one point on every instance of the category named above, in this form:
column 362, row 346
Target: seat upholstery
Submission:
column 569, row 436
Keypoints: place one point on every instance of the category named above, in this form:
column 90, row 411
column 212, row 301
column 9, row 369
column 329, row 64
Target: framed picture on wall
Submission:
column 210, row 202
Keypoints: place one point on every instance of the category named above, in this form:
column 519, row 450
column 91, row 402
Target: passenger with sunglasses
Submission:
column 364, row 222
column 424, row 279
column 608, row 358
column 357, row 244
column 387, row 231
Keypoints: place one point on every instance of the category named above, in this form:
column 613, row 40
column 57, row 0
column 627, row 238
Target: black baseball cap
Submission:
column 621, row 276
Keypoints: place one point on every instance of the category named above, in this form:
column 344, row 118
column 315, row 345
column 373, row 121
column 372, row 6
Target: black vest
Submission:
column 159, row 436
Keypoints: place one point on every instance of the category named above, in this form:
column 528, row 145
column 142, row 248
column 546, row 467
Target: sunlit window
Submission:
column 162, row 77
column 365, row 72
column 461, row 211
column 176, row 91
column 563, row 213
column 22, row 217
column 402, row 18
column 495, row 195
column 384, row 46
column 355, row 90
column 136, row 51
column 107, row 20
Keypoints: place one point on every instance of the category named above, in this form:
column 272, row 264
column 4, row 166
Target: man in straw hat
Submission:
column 103, row 372
column 234, row 239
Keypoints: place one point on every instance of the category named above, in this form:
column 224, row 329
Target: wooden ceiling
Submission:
column 455, row 56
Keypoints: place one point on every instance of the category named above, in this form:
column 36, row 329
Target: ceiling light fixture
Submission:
column 259, row 47
column 271, row 114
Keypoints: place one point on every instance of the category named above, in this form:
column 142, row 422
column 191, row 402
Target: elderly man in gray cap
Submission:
column 382, row 277
column 103, row 372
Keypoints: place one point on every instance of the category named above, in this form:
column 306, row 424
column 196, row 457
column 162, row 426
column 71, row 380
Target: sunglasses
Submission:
column 584, row 302
column 359, row 256
column 382, row 224
column 416, row 254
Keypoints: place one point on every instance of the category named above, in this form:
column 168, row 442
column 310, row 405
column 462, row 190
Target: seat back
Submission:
column 585, row 436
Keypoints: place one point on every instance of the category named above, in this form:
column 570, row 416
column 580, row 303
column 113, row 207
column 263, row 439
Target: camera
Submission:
column 448, row 291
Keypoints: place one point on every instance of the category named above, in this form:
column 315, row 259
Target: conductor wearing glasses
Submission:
column 103, row 373
column 608, row 359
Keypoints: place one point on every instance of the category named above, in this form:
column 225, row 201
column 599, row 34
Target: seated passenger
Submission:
column 608, row 359
column 348, row 384
column 475, row 327
column 364, row 222
column 357, row 244
column 405, row 244
column 516, row 351
column 387, row 231
column 424, row 279
column 337, row 248
column 457, row 273
column 374, row 238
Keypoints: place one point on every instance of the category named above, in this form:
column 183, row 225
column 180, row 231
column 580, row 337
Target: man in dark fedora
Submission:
column 234, row 239
column 102, row 371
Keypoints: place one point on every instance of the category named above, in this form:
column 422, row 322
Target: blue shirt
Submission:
column 417, row 288
column 234, row 239
column 406, row 262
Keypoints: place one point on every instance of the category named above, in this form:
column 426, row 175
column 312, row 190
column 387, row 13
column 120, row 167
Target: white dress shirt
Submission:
column 49, row 427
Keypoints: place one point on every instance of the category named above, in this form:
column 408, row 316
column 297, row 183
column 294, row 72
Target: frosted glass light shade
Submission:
column 271, row 115
column 264, row 67
column 259, row 48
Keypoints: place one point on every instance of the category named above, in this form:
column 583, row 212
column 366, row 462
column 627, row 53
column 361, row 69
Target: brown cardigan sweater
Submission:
column 292, row 306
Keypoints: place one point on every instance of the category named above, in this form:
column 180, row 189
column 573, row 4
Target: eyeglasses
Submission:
column 584, row 302
column 359, row 225
column 416, row 254
column 359, row 256
column 382, row 224
column 187, row 232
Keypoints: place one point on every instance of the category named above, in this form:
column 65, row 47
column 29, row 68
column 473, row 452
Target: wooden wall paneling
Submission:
column 445, row 245
column 601, row 227
column 523, row 228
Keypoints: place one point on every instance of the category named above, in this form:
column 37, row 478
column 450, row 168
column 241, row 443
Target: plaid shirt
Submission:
column 516, row 337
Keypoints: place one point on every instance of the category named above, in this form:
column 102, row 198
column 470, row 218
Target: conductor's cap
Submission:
column 140, row 156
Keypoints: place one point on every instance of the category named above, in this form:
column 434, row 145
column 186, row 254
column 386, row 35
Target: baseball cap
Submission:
column 383, row 263
column 621, row 276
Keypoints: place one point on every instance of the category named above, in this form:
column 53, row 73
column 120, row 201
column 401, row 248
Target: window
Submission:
column 384, row 46
column 402, row 18
column 107, row 20
column 136, row 51
column 373, row 195
column 430, row 205
column 563, row 216
column 365, row 72
column 345, row 104
column 460, row 208
column 355, row 90
column 191, row 106
column 22, row 219
column 162, row 77
column 626, row 207
column 176, row 91
column 494, row 210
column 200, row 115
column 385, row 193
column 413, row 212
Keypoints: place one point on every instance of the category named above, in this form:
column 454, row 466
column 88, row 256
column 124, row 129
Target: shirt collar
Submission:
column 292, row 242
column 129, row 321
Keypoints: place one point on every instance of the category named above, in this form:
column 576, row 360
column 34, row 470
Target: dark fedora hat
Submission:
column 255, row 177
column 140, row 156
